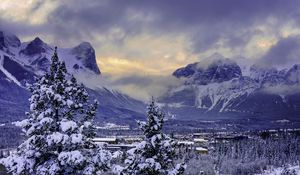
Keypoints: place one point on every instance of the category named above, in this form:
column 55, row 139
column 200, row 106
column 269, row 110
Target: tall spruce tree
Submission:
column 59, row 129
column 156, row 153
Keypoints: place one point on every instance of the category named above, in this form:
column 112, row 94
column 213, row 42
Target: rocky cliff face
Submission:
column 218, row 71
column 85, row 53
column 220, row 90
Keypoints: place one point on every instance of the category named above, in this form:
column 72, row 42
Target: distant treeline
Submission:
column 250, row 156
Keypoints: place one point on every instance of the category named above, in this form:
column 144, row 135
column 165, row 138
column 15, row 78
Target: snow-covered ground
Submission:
column 281, row 170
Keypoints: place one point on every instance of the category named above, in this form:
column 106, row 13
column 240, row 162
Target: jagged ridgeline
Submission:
column 220, row 88
column 22, row 62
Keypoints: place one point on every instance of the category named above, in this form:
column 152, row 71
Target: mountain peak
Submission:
column 296, row 67
column 215, row 59
column 293, row 74
column 86, row 53
column 37, row 41
column 85, row 44
column 35, row 47
column 8, row 40
column 209, row 71
column 36, row 54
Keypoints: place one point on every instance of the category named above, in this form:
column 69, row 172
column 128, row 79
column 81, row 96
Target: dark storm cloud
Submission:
column 21, row 28
column 75, row 18
column 204, row 22
column 286, row 51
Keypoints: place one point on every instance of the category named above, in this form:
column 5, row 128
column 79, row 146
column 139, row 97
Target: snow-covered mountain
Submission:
column 217, row 71
column 216, row 88
column 21, row 62
column 219, row 89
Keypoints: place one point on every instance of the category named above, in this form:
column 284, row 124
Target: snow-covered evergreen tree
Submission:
column 59, row 129
column 156, row 153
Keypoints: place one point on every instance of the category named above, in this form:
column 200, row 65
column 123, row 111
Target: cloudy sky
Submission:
column 140, row 43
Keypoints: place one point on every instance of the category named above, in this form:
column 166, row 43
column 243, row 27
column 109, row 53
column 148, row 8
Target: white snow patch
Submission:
column 68, row 125
column 281, row 170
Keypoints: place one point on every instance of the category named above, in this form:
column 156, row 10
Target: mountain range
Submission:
column 220, row 88
column 214, row 89
column 21, row 62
